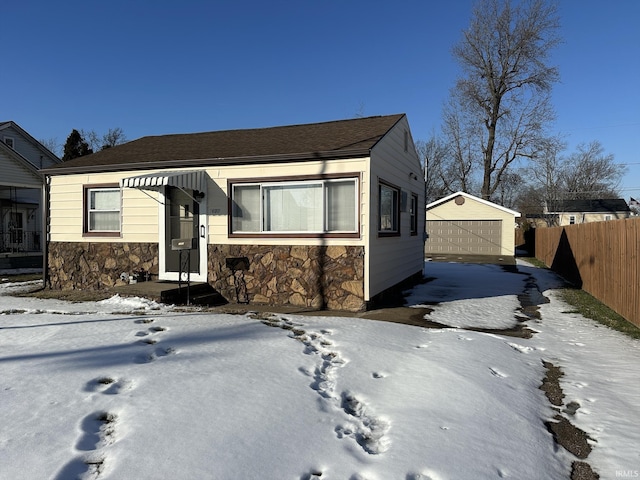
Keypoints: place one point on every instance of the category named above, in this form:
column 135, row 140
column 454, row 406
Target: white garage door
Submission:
column 464, row 237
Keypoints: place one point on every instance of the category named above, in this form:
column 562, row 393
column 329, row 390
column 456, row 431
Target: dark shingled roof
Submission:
column 601, row 205
column 337, row 139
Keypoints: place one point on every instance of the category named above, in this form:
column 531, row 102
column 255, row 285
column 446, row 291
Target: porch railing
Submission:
column 20, row 240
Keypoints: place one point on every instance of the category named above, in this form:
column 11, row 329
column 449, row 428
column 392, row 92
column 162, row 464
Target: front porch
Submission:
column 20, row 260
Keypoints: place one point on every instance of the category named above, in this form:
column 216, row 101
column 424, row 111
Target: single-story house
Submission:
column 462, row 224
column 569, row 212
column 315, row 215
column 21, row 190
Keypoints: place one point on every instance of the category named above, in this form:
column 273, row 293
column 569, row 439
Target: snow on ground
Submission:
column 127, row 388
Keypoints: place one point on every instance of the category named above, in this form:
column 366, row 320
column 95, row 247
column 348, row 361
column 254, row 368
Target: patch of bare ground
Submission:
column 67, row 295
column 565, row 434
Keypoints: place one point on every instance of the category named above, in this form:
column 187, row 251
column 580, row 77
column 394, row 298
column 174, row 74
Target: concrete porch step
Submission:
column 200, row 293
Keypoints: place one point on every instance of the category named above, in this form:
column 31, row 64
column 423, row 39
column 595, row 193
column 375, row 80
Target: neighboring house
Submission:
column 461, row 224
column 569, row 212
column 21, row 156
column 317, row 215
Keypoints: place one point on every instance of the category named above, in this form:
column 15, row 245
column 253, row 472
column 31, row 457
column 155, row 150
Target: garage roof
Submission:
column 472, row 197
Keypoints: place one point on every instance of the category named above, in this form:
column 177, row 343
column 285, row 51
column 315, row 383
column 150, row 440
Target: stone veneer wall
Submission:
column 95, row 266
column 305, row 276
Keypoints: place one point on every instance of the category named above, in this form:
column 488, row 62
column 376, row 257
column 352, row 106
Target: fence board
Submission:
column 600, row 257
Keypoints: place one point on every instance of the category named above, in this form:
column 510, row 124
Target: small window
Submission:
column 608, row 217
column 572, row 219
column 388, row 210
column 102, row 210
column 413, row 212
column 9, row 142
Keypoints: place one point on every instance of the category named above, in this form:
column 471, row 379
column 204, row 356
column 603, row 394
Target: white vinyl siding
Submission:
column 18, row 173
column 390, row 259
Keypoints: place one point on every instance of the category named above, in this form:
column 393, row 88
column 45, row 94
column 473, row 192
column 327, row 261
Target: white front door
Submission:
column 181, row 217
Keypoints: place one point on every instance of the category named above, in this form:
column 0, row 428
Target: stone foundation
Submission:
column 96, row 266
column 306, row 276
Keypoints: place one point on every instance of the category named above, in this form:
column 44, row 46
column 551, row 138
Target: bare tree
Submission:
column 51, row 144
column 461, row 134
column 432, row 155
column 509, row 189
column 544, row 173
column 552, row 179
column 92, row 139
column 590, row 173
column 503, row 97
column 113, row 137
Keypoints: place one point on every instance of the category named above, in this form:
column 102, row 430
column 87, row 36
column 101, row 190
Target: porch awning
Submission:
column 188, row 179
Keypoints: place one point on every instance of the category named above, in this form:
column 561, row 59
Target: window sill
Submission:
column 102, row 234
column 294, row 235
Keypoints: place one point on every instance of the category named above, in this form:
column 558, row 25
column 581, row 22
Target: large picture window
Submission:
column 102, row 210
column 388, row 210
column 295, row 207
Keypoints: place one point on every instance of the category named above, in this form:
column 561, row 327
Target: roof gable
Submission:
column 472, row 197
column 28, row 147
column 335, row 139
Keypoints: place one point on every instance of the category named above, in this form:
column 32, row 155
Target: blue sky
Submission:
column 157, row 67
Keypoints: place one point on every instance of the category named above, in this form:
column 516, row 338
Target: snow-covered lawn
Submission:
column 129, row 389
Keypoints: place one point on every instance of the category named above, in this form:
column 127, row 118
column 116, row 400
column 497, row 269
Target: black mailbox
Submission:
column 184, row 243
column 237, row 263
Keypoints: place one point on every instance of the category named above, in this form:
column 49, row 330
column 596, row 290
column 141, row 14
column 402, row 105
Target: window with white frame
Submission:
column 388, row 209
column 295, row 207
column 572, row 219
column 102, row 212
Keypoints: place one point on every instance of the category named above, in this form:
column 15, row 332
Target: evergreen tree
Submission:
column 75, row 146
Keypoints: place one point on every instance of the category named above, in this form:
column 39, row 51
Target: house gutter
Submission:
column 206, row 162
column 45, row 229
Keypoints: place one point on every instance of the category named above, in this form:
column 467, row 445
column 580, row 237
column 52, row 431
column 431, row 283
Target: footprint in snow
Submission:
column 367, row 430
column 109, row 385
column 158, row 352
column 313, row 474
column 520, row 348
column 144, row 320
column 419, row 476
column 98, row 432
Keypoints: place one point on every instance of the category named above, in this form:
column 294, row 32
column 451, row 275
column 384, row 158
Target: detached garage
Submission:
column 461, row 224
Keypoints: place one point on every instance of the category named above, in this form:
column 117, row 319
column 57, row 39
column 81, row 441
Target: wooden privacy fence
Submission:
column 600, row 257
